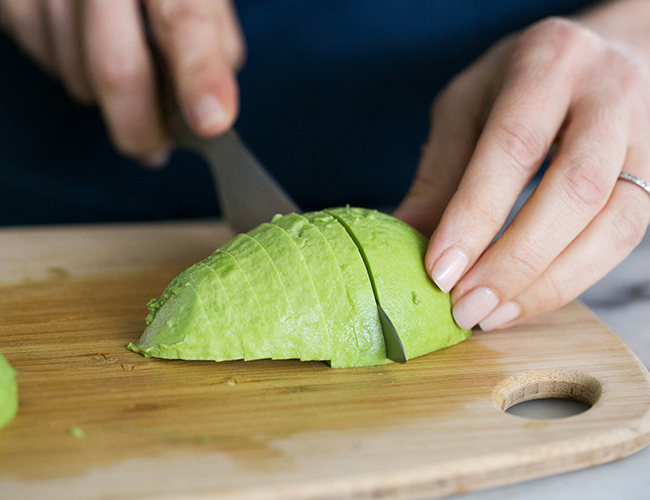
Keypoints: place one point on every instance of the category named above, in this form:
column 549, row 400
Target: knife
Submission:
column 248, row 194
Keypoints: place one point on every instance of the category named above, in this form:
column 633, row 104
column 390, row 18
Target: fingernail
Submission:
column 449, row 269
column 158, row 159
column 502, row 315
column 208, row 112
column 475, row 306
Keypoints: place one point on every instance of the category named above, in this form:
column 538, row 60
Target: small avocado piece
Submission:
column 8, row 392
column 246, row 309
column 358, row 291
column 328, row 282
column 76, row 432
column 193, row 319
column 394, row 254
column 281, row 334
column 310, row 326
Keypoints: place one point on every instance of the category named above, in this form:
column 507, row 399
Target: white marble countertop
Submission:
column 622, row 301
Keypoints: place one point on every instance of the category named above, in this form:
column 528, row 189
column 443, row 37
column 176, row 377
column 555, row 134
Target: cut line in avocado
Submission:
column 324, row 270
column 263, row 276
column 294, row 274
column 255, row 342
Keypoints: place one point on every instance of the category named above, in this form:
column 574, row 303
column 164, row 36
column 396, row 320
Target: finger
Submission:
column 456, row 120
column 25, row 21
column 232, row 39
column 520, row 129
column 63, row 28
column 610, row 237
column 188, row 32
column 573, row 191
column 122, row 74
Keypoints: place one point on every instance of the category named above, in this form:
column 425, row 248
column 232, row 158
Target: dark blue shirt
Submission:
column 335, row 99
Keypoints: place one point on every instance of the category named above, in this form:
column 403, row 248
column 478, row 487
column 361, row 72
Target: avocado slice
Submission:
column 244, row 304
column 283, row 337
column 193, row 319
column 310, row 326
column 8, row 392
column 328, row 283
column 394, row 253
column 358, row 290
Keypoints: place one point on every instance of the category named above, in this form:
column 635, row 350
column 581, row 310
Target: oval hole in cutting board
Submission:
column 565, row 393
column 548, row 408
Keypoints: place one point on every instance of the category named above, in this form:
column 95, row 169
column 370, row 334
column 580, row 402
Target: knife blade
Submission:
column 394, row 347
column 248, row 194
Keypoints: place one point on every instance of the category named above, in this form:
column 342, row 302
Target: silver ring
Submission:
column 636, row 180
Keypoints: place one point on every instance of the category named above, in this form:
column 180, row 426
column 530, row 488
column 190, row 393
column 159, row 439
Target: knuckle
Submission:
column 557, row 292
column 172, row 13
column 565, row 36
column 486, row 210
column 119, row 71
column 584, row 183
column 633, row 76
column 554, row 40
column 525, row 260
column 521, row 145
column 628, row 222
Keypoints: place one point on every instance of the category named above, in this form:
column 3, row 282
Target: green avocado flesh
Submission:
column 8, row 392
column 358, row 291
column 394, row 254
column 324, row 269
column 306, row 287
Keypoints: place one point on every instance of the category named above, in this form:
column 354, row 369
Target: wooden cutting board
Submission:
column 72, row 298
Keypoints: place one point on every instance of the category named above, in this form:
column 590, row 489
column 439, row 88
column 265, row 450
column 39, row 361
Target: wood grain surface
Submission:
column 71, row 298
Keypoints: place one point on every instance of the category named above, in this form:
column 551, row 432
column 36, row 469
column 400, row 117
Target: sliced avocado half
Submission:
column 302, row 287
